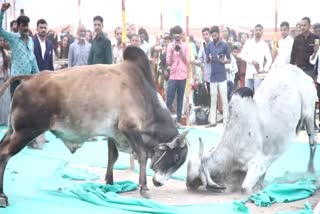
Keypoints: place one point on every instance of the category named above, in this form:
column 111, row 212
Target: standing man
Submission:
column 14, row 26
column 43, row 51
column 100, row 52
column 79, row 50
column 43, row 47
column 203, row 59
column 177, row 58
column 23, row 61
column 257, row 55
column 316, row 29
column 303, row 48
column 117, row 50
column 219, row 56
column 285, row 46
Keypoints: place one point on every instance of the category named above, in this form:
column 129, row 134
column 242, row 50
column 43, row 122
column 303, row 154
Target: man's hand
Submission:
column 256, row 65
column 316, row 48
column 5, row 7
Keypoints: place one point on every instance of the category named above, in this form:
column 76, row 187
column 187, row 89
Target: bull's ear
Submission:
column 182, row 139
column 200, row 148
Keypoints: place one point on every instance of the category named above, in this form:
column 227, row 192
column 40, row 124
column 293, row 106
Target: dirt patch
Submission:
column 174, row 192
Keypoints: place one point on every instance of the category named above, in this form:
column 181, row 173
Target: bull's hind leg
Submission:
column 112, row 158
column 10, row 145
column 309, row 122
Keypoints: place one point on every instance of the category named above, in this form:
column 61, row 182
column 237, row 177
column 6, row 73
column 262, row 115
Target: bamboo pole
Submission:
column 124, row 23
column 161, row 16
column 124, row 43
column 190, row 67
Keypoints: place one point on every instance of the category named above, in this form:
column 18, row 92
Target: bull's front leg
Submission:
column 138, row 147
column 257, row 168
column 142, row 174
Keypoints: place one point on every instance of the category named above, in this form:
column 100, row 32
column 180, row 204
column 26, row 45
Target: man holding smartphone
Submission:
column 219, row 55
column 303, row 48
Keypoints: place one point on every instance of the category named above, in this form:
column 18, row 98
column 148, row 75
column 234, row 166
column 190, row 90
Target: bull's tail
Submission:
column 137, row 56
column 6, row 84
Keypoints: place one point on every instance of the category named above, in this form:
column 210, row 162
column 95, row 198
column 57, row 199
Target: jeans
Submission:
column 176, row 86
column 223, row 89
column 253, row 84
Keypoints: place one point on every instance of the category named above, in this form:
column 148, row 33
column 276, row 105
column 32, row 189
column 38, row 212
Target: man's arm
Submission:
column 268, row 57
column 169, row 55
column 35, row 68
column 70, row 56
column 51, row 57
column 201, row 56
column 227, row 53
column 244, row 53
column 315, row 55
column 5, row 34
column 185, row 54
column 90, row 58
column 293, row 53
column 108, row 52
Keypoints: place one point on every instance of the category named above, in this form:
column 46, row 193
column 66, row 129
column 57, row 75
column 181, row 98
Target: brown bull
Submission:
column 119, row 101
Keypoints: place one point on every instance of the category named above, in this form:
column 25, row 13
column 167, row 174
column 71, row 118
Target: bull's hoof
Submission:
column 3, row 201
column 246, row 191
column 311, row 169
column 144, row 193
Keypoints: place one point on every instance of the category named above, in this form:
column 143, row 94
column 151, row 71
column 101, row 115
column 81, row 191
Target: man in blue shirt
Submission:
column 219, row 55
column 23, row 60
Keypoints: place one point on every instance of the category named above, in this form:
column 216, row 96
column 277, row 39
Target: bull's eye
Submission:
column 176, row 158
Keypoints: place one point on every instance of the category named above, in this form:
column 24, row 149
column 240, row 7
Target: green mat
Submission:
column 280, row 193
column 33, row 178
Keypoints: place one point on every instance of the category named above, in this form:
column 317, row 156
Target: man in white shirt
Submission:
column 144, row 39
column 256, row 53
column 232, row 69
column 285, row 46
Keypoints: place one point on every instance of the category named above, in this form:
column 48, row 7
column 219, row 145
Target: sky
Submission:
column 244, row 13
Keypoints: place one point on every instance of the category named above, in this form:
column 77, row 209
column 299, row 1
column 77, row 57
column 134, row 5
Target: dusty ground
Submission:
column 174, row 192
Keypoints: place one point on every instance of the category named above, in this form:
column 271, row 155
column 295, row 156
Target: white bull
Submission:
column 258, row 131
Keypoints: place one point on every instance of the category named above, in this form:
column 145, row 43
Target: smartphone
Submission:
column 21, row 12
column 316, row 42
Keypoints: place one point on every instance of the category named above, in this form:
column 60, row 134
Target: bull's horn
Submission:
column 183, row 134
column 182, row 141
column 200, row 148
column 171, row 145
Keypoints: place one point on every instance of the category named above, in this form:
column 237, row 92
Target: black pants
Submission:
column 13, row 87
column 208, row 88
